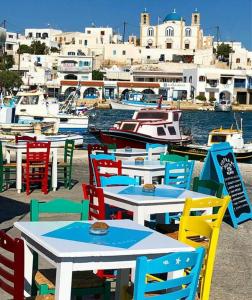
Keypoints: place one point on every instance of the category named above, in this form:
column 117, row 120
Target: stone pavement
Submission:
column 232, row 278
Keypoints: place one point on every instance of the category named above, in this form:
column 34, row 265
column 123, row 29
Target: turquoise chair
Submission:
column 184, row 287
column 84, row 283
column 152, row 148
column 178, row 174
column 118, row 180
column 101, row 156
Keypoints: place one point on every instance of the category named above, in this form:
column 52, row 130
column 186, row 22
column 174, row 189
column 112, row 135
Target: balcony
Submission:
column 74, row 69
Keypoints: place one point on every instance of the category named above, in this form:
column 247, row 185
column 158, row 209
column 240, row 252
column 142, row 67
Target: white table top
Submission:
column 149, row 165
column 150, row 199
column 152, row 244
column 22, row 145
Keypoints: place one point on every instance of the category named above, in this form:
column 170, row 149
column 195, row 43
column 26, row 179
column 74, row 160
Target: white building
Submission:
column 44, row 35
column 173, row 33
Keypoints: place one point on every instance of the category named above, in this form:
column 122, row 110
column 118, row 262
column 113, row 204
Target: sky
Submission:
column 234, row 17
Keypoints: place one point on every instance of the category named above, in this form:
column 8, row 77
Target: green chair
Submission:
column 6, row 170
column 172, row 157
column 65, row 167
column 83, row 282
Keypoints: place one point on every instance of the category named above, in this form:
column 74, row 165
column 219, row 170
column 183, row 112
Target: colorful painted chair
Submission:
column 25, row 138
column 92, row 148
column 65, row 167
column 154, row 148
column 183, row 287
column 84, row 283
column 114, row 166
column 12, row 268
column 7, row 171
column 118, row 180
column 172, row 157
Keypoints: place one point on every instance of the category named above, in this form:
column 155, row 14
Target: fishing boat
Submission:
column 137, row 101
column 35, row 107
column 242, row 151
column 158, row 125
column 223, row 105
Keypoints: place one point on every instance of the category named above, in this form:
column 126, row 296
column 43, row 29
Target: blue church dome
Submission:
column 172, row 17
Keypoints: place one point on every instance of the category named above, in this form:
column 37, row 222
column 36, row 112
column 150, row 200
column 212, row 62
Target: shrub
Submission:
column 201, row 97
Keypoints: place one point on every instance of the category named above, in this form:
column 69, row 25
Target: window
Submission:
column 248, row 61
column 175, row 116
column 187, row 45
column 80, row 42
column 195, row 19
column 150, row 43
column 160, row 131
column 144, row 19
column 188, row 32
column 10, row 36
column 114, row 52
column 184, row 79
column 73, row 41
column 102, row 32
column 30, row 100
column 168, row 45
column 152, row 115
column 218, row 138
column 169, row 31
column 238, row 60
column 190, row 79
column 44, row 35
column 148, row 56
column 150, row 31
column 202, row 78
column 30, row 34
column 71, row 53
column 85, row 42
column 171, row 130
column 89, row 32
column 129, row 126
column 38, row 35
column 123, row 52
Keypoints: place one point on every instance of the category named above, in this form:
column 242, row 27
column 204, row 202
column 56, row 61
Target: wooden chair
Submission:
column 116, row 167
column 172, row 157
column 118, row 180
column 7, row 171
column 84, row 283
column 151, row 287
column 36, row 168
column 25, row 138
column 65, row 167
column 92, row 148
column 12, row 268
column 152, row 148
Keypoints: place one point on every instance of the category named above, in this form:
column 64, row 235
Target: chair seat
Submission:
column 85, row 279
column 41, row 297
column 129, row 291
column 10, row 165
column 167, row 228
column 35, row 165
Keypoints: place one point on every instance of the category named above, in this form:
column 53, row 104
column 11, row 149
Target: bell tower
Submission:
column 145, row 18
column 196, row 18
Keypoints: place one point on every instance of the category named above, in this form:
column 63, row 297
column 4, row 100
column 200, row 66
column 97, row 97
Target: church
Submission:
column 173, row 33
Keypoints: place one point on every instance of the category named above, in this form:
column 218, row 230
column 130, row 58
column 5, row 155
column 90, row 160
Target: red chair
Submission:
column 36, row 166
column 91, row 148
column 12, row 268
column 25, row 138
column 98, row 164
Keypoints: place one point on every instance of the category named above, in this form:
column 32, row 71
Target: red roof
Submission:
column 83, row 83
column 138, row 84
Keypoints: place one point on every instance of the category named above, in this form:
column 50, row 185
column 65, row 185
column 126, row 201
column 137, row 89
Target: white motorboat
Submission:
column 223, row 105
column 34, row 107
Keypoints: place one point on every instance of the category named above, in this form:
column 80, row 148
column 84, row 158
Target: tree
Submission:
column 24, row 49
column 97, row 75
column 54, row 49
column 9, row 80
column 6, row 62
column 223, row 51
column 39, row 48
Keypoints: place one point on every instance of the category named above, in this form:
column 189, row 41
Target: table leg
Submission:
column 122, row 281
column 147, row 177
column 139, row 215
column 19, row 171
column 8, row 156
column 28, row 269
column 64, row 281
column 54, row 170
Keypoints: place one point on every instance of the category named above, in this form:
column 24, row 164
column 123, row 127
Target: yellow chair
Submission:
column 196, row 231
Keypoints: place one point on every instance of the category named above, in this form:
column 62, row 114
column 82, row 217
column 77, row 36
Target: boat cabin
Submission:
column 159, row 123
column 232, row 136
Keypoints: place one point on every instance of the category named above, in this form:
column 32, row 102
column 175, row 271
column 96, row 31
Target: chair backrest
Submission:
column 58, row 206
column 197, row 232
column 38, row 152
column 116, row 167
column 173, row 157
column 183, row 287
column 96, row 201
column 154, row 148
column 12, row 266
column 118, row 180
column 25, row 138
column 179, row 174
column 100, row 156
column 68, row 151
column 218, row 206
column 92, row 148
column 208, row 187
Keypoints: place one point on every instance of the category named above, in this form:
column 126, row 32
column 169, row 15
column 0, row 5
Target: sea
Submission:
column 198, row 123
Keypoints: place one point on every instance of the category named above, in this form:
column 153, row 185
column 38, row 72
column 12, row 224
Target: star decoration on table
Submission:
column 188, row 259
column 178, row 260
column 166, row 262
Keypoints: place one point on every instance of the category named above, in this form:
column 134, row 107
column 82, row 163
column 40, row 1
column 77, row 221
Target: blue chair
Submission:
column 178, row 174
column 118, row 180
column 152, row 148
column 183, row 287
column 100, row 156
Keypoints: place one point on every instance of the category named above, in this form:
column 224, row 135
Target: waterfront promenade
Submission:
column 233, row 266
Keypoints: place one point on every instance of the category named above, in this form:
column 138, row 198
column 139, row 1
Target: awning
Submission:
column 213, row 76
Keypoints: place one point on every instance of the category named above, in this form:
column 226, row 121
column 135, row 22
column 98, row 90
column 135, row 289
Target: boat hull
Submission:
column 199, row 153
column 134, row 140
column 134, row 105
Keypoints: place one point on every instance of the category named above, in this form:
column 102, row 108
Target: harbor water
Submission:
column 199, row 123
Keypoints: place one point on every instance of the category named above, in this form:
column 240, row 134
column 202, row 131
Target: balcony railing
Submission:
column 77, row 69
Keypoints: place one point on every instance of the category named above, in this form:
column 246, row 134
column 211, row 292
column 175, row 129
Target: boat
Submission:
column 159, row 125
column 137, row 101
column 14, row 128
column 35, row 107
column 223, row 105
column 242, row 151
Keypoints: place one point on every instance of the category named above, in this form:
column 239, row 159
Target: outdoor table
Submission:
column 20, row 149
column 69, row 247
column 123, row 154
column 148, row 170
column 165, row 199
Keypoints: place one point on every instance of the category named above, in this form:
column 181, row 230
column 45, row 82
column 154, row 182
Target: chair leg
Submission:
column 107, row 291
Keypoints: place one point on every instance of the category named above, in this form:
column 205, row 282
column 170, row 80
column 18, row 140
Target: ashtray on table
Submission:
column 139, row 161
column 149, row 188
column 99, row 228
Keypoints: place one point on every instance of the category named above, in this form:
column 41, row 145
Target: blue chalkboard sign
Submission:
column 221, row 165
